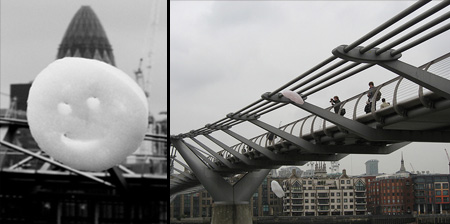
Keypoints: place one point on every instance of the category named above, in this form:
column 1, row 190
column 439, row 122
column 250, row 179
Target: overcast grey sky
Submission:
column 31, row 32
column 225, row 54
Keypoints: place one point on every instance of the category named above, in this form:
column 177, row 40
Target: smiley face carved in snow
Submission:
column 86, row 114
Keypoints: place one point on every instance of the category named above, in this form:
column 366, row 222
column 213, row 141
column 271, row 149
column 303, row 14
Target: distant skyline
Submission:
column 31, row 32
column 358, row 171
column 225, row 54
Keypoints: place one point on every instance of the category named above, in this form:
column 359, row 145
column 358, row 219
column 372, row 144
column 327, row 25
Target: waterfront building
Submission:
column 191, row 205
column 390, row 194
column 431, row 193
column 324, row 195
column 264, row 202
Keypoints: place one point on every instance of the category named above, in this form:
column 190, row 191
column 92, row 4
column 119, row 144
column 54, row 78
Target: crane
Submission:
column 412, row 167
column 140, row 79
column 448, row 157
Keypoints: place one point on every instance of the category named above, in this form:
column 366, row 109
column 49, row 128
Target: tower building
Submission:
column 372, row 167
column 86, row 38
column 402, row 165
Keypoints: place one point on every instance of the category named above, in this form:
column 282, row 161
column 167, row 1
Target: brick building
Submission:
column 390, row 194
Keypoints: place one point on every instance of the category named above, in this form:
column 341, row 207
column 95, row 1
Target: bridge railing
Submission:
column 397, row 89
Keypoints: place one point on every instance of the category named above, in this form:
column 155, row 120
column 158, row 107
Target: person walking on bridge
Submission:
column 370, row 94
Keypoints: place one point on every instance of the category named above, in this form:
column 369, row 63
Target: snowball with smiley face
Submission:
column 86, row 114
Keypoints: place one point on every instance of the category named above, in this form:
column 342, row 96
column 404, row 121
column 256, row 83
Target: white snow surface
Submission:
column 295, row 97
column 86, row 113
column 276, row 188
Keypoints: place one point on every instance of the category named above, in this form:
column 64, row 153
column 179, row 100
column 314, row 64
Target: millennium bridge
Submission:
column 419, row 112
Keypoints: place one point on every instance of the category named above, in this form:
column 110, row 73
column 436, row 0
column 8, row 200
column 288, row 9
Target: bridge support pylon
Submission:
column 237, row 213
column 231, row 202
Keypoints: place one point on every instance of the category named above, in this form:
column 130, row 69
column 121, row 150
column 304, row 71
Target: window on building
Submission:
column 345, row 200
column 338, row 206
column 297, row 186
column 312, row 206
column 338, row 200
column 351, row 199
column 313, row 194
column 438, row 192
column 348, row 181
column 309, row 181
column 438, row 200
column 446, row 200
column 306, row 206
column 351, row 206
column 306, row 194
column 306, row 201
column 345, row 193
column 437, row 186
column 351, row 193
column 110, row 210
column 338, row 194
column 332, row 200
column 445, row 192
column 332, row 194
column 332, row 206
column 345, row 206
column 445, row 186
column 342, row 181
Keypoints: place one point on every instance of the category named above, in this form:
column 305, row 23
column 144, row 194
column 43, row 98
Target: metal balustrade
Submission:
column 398, row 88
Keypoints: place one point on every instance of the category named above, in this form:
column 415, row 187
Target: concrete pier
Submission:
column 229, row 213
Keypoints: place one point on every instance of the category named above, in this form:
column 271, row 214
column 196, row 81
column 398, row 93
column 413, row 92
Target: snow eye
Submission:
column 93, row 103
column 64, row 108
